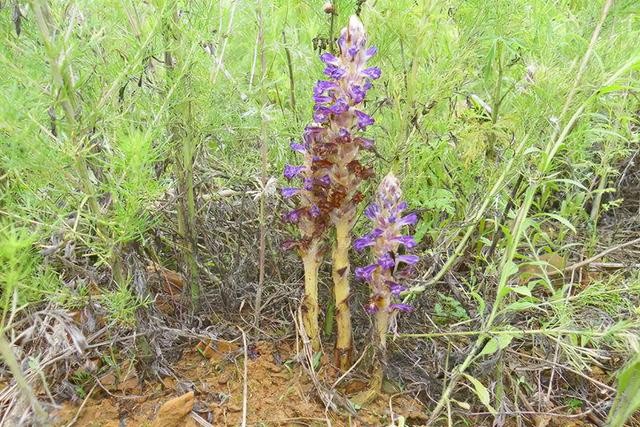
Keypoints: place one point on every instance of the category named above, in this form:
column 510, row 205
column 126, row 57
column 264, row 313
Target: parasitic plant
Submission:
column 385, row 242
column 338, row 111
column 331, row 175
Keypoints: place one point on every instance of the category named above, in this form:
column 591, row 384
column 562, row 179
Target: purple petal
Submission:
column 410, row 219
column 322, row 99
column 314, row 211
column 343, row 133
column 297, row 147
column 373, row 73
column 401, row 307
column 329, row 59
column 321, row 114
column 364, row 119
column 289, row 192
column 323, row 86
column 365, row 273
column 357, row 94
column 396, row 288
column 325, row 180
column 363, row 242
column 407, row 241
column 386, row 262
column 353, row 51
column 408, row 259
column 307, row 184
column 372, row 211
column 371, row 307
column 292, row 216
column 370, row 52
column 365, row 143
column 367, row 85
column 291, row 172
column 340, row 106
column 335, row 72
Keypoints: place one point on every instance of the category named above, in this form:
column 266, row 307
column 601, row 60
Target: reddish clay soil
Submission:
column 280, row 393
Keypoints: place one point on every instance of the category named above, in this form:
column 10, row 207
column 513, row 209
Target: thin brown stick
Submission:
column 245, row 387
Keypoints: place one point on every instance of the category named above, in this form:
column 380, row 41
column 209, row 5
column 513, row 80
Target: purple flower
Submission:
column 314, row 211
column 322, row 99
column 325, row 180
column 396, row 288
column 365, row 143
column 322, row 86
column 410, row 219
column 371, row 307
column 363, row 242
column 329, row 59
column 292, row 216
column 340, row 106
column 370, row 52
column 297, row 147
column 307, row 184
column 357, row 94
column 407, row 241
column 335, row 72
column 366, row 273
column 401, row 307
column 364, row 119
column 343, row 133
column 372, row 211
column 291, row 172
column 372, row 72
column 321, row 114
column 289, row 192
column 353, row 51
column 386, row 261
column 408, row 259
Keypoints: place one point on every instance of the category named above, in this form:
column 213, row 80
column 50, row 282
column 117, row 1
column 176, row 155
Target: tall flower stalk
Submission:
column 390, row 264
column 331, row 175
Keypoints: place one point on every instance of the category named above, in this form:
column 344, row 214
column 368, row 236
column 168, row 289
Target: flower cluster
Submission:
column 332, row 171
column 385, row 241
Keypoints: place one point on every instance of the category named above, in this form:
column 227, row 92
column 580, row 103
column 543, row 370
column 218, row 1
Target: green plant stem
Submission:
column 183, row 143
column 310, row 308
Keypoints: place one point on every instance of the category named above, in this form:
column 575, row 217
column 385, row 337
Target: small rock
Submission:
column 174, row 412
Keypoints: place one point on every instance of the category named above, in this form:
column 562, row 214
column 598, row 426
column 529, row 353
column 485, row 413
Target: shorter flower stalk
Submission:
column 388, row 247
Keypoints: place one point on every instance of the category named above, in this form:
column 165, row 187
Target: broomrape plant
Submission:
column 389, row 265
column 332, row 174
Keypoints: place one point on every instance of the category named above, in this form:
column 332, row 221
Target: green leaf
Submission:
column 482, row 393
column 496, row 343
column 628, row 398
column 562, row 220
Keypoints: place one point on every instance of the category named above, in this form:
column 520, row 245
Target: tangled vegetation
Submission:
column 457, row 224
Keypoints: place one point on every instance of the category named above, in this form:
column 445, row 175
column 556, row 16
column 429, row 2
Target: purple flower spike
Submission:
column 373, row 73
column 408, row 259
column 297, row 147
column 364, row 119
column 321, row 114
column 291, row 172
column 386, row 262
column 401, row 307
column 288, row 192
column 329, row 59
column 366, row 273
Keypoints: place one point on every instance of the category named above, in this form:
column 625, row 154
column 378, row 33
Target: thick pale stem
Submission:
column 341, row 292
column 310, row 310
